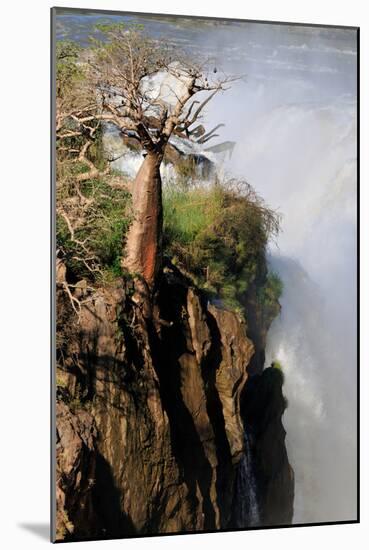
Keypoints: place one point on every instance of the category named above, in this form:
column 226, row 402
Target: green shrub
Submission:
column 277, row 365
column 219, row 235
column 269, row 293
column 187, row 213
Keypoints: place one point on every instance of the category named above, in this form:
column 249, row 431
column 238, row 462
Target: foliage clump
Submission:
column 219, row 235
column 68, row 71
column 268, row 295
column 277, row 365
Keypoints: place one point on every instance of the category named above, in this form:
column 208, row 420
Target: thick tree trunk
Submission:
column 143, row 250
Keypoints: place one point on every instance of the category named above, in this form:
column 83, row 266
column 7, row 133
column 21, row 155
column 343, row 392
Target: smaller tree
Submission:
column 146, row 89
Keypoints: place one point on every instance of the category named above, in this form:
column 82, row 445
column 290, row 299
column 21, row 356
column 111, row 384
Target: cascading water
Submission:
column 314, row 337
column 127, row 161
column 246, row 508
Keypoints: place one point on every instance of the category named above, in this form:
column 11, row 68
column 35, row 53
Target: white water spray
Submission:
column 302, row 159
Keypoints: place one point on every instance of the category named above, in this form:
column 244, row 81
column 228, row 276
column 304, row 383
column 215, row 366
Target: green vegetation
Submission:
column 219, row 235
column 68, row 71
column 93, row 204
column 277, row 365
column 269, row 293
column 103, row 225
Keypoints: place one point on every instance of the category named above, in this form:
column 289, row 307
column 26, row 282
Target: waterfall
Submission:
column 301, row 158
column 246, row 508
column 128, row 161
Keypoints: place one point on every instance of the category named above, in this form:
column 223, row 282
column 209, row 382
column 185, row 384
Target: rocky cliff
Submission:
column 152, row 413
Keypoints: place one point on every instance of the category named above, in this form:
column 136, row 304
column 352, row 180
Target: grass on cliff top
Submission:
column 219, row 234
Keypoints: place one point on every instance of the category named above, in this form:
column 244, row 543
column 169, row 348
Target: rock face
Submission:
column 150, row 430
column 76, row 471
column 262, row 407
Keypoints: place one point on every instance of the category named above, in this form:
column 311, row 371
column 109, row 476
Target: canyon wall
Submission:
column 152, row 413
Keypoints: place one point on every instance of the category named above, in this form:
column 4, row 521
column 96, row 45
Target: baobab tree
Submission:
column 147, row 90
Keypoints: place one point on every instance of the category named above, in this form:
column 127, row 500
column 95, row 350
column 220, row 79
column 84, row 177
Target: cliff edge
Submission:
column 152, row 415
